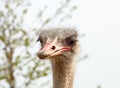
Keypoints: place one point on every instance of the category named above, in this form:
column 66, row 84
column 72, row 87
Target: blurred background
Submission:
column 98, row 23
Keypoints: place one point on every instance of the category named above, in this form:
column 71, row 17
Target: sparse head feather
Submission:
column 58, row 32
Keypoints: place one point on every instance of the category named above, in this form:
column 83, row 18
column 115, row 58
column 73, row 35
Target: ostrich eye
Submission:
column 40, row 40
column 71, row 41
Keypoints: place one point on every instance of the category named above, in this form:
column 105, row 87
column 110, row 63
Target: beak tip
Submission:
column 40, row 55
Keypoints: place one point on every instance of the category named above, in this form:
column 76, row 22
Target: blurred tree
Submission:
column 99, row 86
column 18, row 64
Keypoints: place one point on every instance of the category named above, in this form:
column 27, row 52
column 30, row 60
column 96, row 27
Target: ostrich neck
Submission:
column 63, row 72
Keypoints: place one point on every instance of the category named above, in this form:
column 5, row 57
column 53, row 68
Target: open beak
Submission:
column 51, row 49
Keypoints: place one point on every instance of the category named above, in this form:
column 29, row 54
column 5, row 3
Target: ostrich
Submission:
column 60, row 46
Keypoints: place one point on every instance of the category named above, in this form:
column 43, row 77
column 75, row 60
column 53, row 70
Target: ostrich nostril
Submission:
column 53, row 47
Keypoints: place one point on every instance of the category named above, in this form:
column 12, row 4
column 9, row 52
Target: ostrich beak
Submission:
column 51, row 49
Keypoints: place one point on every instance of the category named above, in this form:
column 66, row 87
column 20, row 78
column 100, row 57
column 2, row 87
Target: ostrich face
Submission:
column 57, row 42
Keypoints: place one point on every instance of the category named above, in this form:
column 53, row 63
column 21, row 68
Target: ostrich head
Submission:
column 57, row 42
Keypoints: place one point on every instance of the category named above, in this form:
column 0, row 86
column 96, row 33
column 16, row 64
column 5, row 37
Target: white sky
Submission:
column 100, row 21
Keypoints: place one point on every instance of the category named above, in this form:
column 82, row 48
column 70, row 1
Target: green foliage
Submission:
column 2, row 77
column 99, row 86
column 26, row 42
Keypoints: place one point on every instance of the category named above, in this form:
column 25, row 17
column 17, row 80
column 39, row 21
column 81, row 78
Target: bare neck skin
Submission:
column 63, row 72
